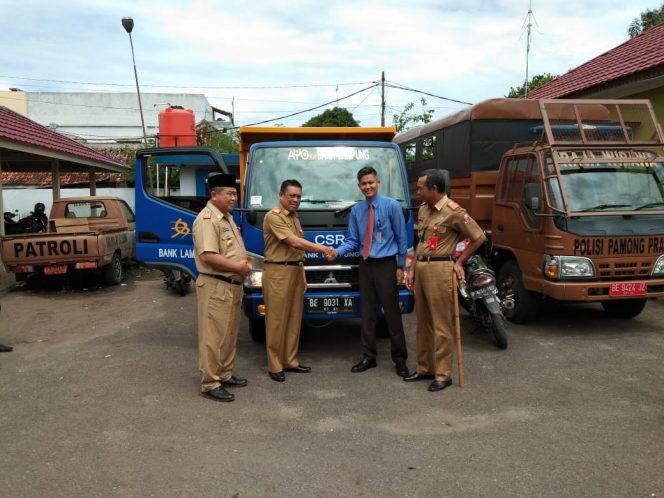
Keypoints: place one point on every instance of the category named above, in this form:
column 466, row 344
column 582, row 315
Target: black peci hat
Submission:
column 221, row 180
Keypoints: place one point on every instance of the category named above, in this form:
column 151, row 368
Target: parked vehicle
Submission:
column 86, row 233
column 570, row 192
column 11, row 225
column 36, row 221
column 177, row 280
column 478, row 294
column 171, row 190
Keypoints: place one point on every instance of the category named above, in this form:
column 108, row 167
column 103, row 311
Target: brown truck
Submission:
column 85, row 233
column 570, row 192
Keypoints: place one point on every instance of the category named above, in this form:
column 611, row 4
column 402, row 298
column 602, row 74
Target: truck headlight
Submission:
column 255, row 277
column 658, row 269
column 564, row 267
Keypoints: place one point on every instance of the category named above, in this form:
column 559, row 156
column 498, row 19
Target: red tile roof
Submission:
column 18, row 128
column 642, row 54
column 45, row 180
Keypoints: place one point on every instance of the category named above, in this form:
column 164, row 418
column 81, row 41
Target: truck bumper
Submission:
column 596, row 291
column 254, row 306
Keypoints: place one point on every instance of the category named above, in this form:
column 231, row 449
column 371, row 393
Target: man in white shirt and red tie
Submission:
column 377, row 229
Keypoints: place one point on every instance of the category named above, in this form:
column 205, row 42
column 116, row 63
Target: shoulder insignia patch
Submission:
column 276, row 210
column 453, row 205
column 207, row 214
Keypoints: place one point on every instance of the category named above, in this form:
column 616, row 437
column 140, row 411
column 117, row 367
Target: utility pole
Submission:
column 382, row 99
column 530, row 16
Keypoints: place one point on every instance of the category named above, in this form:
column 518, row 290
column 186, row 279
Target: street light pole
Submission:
column 128, row 25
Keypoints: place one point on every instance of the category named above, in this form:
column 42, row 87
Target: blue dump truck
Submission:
column 171, row 189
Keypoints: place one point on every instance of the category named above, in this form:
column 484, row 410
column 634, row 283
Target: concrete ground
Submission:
column 100, row 398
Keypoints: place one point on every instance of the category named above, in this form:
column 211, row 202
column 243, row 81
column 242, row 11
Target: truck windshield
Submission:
column 622, row 187
column 328, row 174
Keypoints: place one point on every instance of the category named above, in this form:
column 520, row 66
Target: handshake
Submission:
column 330, row 253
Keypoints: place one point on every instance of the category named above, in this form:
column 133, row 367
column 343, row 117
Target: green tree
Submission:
column 337, row 116
column 209, row 136
column 405, row 120
column 646, row 20
column 535, row 82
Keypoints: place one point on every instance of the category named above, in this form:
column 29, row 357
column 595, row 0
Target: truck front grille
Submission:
column 624, row 270
column 332, row 276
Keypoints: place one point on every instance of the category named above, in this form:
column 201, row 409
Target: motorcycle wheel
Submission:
column 494, row 324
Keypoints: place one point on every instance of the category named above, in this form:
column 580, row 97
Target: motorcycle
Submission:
column 12, row 227
column 37, row 221
column 177, row 280
column 478, row 294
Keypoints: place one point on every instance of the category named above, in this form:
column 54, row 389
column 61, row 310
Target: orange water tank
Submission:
column 177, row 127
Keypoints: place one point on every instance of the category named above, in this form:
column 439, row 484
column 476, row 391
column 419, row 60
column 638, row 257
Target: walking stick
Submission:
column 457, row 326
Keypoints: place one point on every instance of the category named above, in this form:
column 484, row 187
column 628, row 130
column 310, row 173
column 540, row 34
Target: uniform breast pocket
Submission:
column 227, row 241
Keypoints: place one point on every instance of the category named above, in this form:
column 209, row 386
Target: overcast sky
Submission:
column 278, row 57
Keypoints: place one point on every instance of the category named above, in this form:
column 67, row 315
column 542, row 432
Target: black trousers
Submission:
column 378, row 284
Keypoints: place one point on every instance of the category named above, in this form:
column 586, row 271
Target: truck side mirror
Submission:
column 532, row 196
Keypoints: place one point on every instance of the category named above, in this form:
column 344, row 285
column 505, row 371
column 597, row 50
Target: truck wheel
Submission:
column 519, row 304
column 257, row 329
column 624, row 308
column 113, row 272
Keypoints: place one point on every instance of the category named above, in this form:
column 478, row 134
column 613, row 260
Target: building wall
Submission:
column 106, row 117
column 16, row 101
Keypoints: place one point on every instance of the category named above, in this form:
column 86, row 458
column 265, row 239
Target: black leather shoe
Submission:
column 277, row 376
column 5, row 349
column 301, row 369
column 439, row 385
column 219, row 394
column 415, row 376
column 234, row 382
column 365, row 364
column 402, row 370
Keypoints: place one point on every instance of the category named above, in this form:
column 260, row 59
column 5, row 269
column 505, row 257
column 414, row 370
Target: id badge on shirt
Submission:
column 433, row 242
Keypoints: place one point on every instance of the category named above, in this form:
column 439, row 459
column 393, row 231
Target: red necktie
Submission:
column 366, row 250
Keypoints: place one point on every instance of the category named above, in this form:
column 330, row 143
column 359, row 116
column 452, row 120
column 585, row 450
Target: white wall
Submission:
column 25, row 199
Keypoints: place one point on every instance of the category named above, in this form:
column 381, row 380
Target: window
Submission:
column 521, row 171
column 409, row 157
column 85, row 209
column 429, row 148
column 129, row 214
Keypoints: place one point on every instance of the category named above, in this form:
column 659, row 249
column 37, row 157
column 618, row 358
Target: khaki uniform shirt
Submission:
column 278, row 225
column 440, row 228
column 216, row 232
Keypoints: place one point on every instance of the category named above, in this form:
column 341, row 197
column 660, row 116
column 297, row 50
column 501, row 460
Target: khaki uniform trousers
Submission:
column 283, row 291
column 219, row 305
column 434, row 305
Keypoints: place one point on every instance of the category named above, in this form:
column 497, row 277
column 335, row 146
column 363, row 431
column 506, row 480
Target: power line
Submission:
column 402, row 87
column 250, row 87
column 313, row 108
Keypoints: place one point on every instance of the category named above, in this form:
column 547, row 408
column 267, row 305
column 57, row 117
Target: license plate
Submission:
column 55, row 270
column 486, row 291
column 330, row 305
column 628, row 289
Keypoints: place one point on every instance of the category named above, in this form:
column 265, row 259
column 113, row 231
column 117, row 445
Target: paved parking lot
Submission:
column 100, row 398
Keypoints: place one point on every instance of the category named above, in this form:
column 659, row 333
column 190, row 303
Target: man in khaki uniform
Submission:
column 441, row 223
column 221, row 260
column 284, row 281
